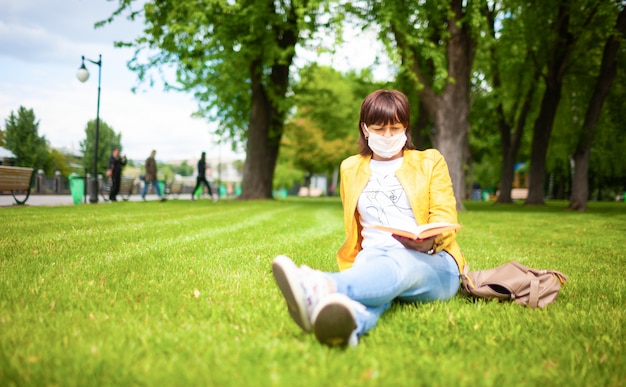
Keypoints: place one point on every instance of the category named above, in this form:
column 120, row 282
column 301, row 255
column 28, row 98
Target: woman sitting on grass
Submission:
column 388, row 183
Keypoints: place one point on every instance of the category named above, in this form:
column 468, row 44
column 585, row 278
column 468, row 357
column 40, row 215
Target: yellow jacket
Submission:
column 425, row 178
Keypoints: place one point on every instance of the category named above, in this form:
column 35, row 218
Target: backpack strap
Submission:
column 533, row 300
column 466, row 280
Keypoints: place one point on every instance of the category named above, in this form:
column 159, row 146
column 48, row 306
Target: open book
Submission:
column 424, row 231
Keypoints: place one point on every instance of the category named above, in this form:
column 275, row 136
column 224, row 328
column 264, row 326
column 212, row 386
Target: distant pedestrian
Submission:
column 115, row 172
column 150, row 177
column 201, row 179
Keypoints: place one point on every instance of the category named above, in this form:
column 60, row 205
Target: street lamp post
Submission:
column 82, row 74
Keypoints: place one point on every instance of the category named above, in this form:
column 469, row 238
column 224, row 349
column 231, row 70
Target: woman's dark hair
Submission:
column 384, row 107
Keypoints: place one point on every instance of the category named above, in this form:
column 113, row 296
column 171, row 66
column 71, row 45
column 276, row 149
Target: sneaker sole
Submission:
column 334, row 324
column 285, row 274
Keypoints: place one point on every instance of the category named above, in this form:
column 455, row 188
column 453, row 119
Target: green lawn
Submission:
column 181, row 293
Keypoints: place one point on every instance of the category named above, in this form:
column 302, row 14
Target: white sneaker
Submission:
column 334, row 320
column 215, row 197
column 302, row 288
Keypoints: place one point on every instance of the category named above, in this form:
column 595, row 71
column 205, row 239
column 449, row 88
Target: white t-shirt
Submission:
column 384, row 202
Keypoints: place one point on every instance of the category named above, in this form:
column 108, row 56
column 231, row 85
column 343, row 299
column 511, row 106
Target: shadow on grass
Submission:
column 610, row 209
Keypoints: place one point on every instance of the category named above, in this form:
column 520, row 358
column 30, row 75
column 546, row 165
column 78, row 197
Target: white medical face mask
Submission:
column 385, row 147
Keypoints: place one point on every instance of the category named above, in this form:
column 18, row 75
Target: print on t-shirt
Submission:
column 385, row 199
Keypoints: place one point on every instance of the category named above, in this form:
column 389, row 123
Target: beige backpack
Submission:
column 514, row 281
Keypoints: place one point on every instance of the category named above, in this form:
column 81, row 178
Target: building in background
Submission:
column 6, row 157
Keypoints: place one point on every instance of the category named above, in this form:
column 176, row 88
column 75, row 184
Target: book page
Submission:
column 424, row 231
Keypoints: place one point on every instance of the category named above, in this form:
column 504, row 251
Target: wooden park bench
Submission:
column 516, row 194
column 519, row 193
column 18, row 180
column 126, row 188
column 175, row 188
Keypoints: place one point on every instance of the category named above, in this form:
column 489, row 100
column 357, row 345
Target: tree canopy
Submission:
column 488, row 81
column 22, row 138
column 107, row 140
column 235, row 57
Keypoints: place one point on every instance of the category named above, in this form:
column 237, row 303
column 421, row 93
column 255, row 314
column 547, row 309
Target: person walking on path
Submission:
column 201, row 179
column 388, row 183
column 150, row 177
column 116, row 163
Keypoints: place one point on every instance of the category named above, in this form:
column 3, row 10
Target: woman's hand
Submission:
column 421, row 245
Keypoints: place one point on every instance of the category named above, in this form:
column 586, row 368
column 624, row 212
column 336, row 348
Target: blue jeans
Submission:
column 155, row 183
column 379, row 276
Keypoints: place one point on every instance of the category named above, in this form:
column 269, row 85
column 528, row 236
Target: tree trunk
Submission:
column 267, row 115
column 510, row 143
column 264, row 134
column 507, row 173
column 539, row 147
column 510, row 134
column 257, row 171
column 506, row 143
column 550, row 101
column 608, row 71
column 450, row 139
column 420, row 127
column 580, row 182
column 450, row 110
column 508, row 146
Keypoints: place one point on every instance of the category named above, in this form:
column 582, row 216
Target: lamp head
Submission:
column 82, row 74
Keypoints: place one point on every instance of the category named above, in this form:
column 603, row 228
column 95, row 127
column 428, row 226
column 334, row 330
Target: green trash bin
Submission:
column 77, row 188
column 162, row 186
